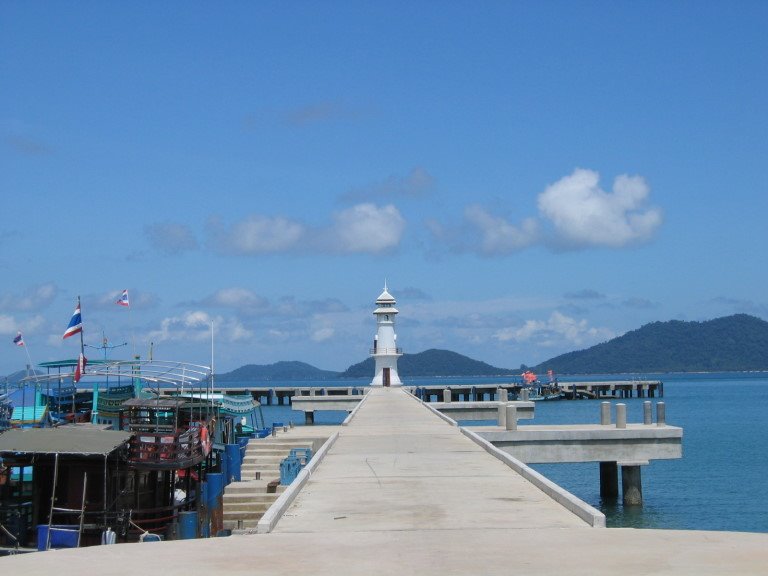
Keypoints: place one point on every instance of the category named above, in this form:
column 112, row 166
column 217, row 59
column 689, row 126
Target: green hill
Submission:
column 732, row 343
column 277, row 371
column 430, row 363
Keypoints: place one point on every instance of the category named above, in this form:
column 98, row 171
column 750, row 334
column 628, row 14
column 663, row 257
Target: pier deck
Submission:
column 401, row 492
column 398, row 467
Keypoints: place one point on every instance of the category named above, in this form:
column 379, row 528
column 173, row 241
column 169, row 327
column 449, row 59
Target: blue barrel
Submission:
column 215, row 488
column 188, row 525
column 233, row 462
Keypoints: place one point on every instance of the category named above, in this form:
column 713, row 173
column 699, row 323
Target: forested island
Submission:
column 733, row 343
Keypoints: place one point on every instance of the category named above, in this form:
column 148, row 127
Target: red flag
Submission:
column 80, row 369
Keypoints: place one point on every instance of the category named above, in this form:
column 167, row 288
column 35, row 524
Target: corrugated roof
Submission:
column 83, row 440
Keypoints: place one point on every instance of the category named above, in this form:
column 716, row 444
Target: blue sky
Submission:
column 529, row 178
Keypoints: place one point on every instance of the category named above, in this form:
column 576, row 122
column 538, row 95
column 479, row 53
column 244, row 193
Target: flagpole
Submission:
column 82, row 343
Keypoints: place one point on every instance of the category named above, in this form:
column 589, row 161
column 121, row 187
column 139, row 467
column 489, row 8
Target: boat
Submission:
column 162, row 447
column 6, row 409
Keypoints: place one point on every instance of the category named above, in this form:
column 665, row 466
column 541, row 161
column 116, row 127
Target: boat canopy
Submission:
column 77, row 440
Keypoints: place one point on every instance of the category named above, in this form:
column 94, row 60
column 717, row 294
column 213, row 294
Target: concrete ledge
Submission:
column 314, row 403
column 434, row 411
column 271, row 517
column 352, row 414
column 483, row 410
column 589, row 514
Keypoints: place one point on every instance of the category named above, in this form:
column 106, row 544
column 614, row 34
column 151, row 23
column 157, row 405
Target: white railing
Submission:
column 379, row 350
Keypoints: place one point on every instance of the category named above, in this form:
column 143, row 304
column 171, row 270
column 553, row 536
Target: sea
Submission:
column 720, row 483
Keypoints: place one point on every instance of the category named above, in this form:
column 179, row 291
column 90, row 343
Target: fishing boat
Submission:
column 162, row 447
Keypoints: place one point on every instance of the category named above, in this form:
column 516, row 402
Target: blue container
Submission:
column 289, row 469
column 61, row 536
column 188, row 525
column 215, row 488
column 233, row 462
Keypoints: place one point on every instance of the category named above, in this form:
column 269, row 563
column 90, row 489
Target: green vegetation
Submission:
column 430, row 363
column 277, row 371
column 732, row 343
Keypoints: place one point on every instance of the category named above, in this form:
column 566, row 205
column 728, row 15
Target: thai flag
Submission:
column 19, row 340
column 123, row 300
column 80, row 369
column 75, row 324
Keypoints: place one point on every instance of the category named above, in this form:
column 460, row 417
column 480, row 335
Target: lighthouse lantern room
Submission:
column 385, row 351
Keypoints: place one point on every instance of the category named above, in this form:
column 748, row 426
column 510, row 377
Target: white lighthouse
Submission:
column 385, row 350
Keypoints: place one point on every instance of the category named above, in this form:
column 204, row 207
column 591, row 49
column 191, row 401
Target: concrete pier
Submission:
column 403, row 491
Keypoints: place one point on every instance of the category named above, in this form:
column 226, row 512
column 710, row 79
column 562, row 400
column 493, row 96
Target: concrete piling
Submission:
column 661, row 414
column 621, row 415
column 502, row 419
column 446, row 395
column 647, row 416
column 631, row 485
column 605, row 413
column 511, row 417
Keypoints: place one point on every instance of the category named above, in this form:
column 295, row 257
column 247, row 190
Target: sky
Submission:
column 527, row 178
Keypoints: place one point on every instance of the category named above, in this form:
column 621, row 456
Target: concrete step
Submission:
column 236, row 499
column 251, row 486
column 246, row 511
column 245, row 525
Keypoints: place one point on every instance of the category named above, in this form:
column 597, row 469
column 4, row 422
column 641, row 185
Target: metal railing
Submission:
column 380, row 350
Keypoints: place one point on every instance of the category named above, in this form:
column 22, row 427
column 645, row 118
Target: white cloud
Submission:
column 367, row 228
column 8, row 324
column 323, row 334
column 260, row 234
column 237, row 298
column 364, row 228
column 195, row 326
column 497, row 236
column 574, row 212
column 585, row 215
column 32, row 299
column 557, row 330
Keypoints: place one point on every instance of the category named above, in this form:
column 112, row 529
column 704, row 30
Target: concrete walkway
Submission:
column 398, row 466
column 402, row 492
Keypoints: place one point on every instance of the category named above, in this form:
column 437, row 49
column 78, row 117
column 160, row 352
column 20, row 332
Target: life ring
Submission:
column 205, row 440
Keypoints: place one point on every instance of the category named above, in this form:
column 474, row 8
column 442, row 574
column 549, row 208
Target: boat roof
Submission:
column 69, row 363
column 160, row 372
column 81, row 440
column 165, row 403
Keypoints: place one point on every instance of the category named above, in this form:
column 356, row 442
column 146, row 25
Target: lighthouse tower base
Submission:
column 386, row 372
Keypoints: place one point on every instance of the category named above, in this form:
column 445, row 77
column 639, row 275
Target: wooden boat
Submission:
column 162, row 446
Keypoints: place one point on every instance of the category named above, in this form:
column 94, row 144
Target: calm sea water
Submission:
column 719, row 484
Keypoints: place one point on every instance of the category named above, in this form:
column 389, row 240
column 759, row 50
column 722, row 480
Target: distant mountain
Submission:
column 16, row 377
column 277, row 371
column 431, row 363
column 732, row 343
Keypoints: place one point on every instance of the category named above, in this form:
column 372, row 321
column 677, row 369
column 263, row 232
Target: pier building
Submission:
column 385, row 351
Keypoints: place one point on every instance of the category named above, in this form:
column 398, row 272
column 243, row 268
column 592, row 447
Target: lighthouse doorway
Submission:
column 385, row 376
